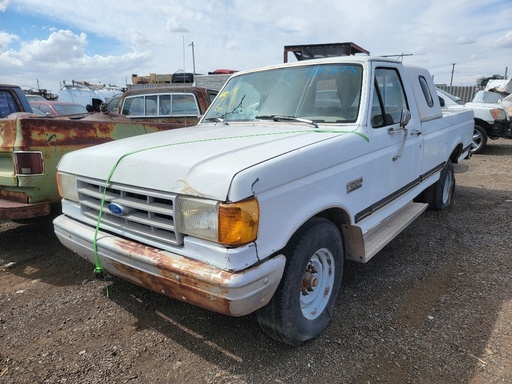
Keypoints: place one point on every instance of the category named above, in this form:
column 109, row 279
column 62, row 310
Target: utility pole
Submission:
column 451, row 80
column 183, row 47
column 193, row 60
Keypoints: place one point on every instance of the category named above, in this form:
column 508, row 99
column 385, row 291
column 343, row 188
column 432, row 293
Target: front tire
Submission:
column 303, row 304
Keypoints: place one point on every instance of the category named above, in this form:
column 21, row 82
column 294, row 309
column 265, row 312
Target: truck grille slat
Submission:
column 147, row 214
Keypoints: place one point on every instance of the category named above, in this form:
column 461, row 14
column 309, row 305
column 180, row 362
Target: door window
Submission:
column 388, row 98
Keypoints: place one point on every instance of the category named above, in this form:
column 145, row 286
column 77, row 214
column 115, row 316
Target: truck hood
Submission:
column 489, row 106
column 200, row 160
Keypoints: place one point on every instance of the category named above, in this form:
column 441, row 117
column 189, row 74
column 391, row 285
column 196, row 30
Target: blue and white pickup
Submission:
column 293, row 169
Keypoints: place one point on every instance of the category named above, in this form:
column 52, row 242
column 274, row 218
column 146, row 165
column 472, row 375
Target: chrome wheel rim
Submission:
column 477, row 140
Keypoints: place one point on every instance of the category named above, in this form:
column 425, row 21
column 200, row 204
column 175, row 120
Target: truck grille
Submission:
column 148, row 214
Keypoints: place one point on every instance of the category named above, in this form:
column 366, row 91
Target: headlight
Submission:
column 67, row 186
column 498, row 114
column 230, row 224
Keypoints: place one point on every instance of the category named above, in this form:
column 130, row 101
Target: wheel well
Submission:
column 456, row 153
column 484, row 124
column 336, row 216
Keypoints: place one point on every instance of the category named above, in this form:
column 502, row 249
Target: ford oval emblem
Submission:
column 117, row 209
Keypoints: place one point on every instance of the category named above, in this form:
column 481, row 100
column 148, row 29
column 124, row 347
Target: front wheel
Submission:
column 479, row 139
column 303, row 304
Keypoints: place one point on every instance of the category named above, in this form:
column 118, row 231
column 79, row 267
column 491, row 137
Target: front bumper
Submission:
column 501, row 128
column 182, row 278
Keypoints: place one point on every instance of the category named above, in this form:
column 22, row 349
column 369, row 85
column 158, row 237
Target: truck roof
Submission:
column 423, row 87
column 337, row 59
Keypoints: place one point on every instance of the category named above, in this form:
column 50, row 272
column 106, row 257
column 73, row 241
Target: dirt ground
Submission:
column 435, row 306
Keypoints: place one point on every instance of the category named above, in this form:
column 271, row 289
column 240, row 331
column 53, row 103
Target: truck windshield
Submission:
column 327, row 93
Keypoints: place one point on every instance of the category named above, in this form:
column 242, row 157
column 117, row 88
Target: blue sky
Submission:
column 49, row 42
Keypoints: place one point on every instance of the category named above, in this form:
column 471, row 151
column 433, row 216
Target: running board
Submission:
column 377, row 237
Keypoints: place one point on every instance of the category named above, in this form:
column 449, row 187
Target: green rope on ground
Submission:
column 98, row 271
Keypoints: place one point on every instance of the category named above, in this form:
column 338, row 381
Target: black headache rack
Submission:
column 317, row 51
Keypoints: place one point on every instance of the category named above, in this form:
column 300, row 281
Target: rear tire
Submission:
column 303, row 304
column 439, row 196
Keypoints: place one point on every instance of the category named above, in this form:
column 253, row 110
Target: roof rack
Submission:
column 316, row 51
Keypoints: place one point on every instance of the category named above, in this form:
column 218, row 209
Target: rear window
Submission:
column 181, row 104
column 72, row 109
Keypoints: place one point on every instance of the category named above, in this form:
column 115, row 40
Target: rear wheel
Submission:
column 439, row 195
column 479, row 139
column 303, row 304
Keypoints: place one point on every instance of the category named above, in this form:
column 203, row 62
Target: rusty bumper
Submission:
column 14, row 210
column 182, row 278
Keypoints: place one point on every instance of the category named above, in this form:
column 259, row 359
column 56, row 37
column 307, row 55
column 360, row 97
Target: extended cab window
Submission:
column 180, row 104
column 426, row 91
column 388, row 98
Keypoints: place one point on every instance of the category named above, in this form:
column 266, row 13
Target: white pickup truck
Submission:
column 491, row 119
column 293, row 169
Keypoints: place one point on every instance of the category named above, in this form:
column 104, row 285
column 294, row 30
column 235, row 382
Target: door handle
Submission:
column 402, row 145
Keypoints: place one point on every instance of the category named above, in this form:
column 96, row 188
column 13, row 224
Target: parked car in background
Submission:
column 58, row 108
column 178, row 105
column 445, row 95
column 113, row 103
column 35, row 98
column 38, row 112
column 86, row 93
column 491, row 120
column 506, row 103
column 502, row 99
column 31, row 147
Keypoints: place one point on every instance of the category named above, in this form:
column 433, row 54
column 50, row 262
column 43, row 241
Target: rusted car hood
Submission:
column 201, row 160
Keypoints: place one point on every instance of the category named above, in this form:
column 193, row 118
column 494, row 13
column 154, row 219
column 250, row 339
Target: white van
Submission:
column 83, row 94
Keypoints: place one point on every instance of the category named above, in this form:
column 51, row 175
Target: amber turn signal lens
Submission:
column 238, row 222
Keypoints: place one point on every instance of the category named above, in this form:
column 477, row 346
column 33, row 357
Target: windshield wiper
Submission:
column 287, row 118
column 217, row 120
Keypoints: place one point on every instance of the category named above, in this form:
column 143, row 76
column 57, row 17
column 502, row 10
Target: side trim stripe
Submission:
column 395, row 195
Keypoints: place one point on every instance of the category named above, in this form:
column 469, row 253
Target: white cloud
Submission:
column 504, row 41
column 465, row 40
column 60, row 47
column 6, row 39
column 155, row 36
column 175, row 25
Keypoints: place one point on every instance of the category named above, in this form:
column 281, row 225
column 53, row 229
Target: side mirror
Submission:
column 441, row 101
column 405, row 117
